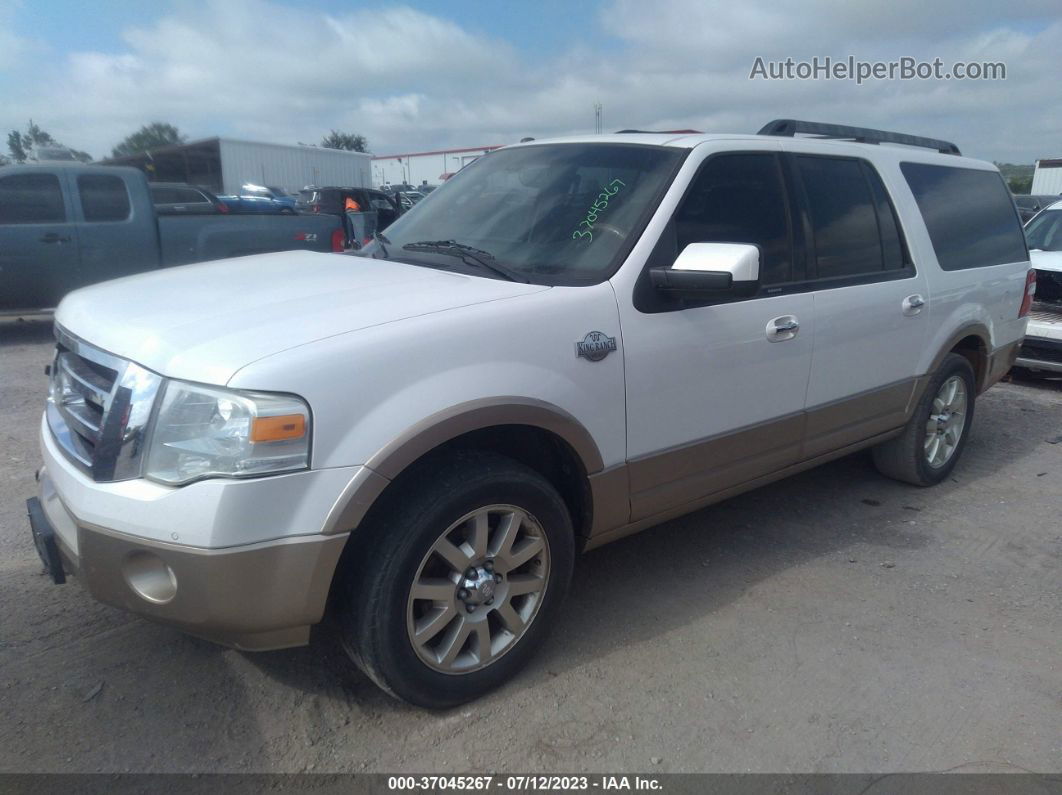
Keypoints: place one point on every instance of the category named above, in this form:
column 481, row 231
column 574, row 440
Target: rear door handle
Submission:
column 53, row 237
column 913, row 304
column 782, row 328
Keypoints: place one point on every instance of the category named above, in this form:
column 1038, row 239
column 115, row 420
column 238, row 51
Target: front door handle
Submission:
column 53, row 237
column 913, row 304
column 782, row 328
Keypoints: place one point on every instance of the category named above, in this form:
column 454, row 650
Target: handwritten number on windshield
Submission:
column 597, row 207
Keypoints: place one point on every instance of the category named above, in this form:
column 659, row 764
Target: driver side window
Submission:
column 740, row 198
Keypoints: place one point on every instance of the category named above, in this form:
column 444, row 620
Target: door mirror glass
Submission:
column 711, row 268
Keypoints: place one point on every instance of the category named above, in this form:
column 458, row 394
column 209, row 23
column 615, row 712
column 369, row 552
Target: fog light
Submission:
column 150, row 577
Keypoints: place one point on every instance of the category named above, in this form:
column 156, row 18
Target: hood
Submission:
column 1046, row 260
column 204, row 322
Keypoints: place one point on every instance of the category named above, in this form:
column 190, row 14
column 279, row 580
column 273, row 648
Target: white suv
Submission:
column 568, row 342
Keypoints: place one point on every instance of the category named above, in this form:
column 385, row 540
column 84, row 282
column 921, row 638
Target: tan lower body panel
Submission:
column 256, row 597
column 710, row 499
column 999, row 363
column 683, row 479
column 685, row 473
column 853, row 419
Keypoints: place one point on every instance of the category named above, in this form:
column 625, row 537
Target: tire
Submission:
column 380, row 613
column 907, row 457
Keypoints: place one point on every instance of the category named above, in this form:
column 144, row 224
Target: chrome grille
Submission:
column 98, row 408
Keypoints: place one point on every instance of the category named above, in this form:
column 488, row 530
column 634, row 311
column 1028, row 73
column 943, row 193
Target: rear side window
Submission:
column 190, row 196
column 844, row 217
column 31, row 199
column 969, row 215
column 103, row 197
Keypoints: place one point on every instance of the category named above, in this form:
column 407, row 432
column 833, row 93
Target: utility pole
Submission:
column 598, row 128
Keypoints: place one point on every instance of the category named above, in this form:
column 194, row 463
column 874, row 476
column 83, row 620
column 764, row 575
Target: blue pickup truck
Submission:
column 260, row 199
column 66, row 225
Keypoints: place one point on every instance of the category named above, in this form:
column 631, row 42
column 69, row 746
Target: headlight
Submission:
column 203, row 431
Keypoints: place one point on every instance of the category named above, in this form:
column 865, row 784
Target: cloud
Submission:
column 408, row 79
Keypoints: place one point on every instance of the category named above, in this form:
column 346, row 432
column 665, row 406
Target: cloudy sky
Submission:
column 425, row 75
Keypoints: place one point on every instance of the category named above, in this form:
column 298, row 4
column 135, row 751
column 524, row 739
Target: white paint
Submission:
column 740, row 261
column 377, row 347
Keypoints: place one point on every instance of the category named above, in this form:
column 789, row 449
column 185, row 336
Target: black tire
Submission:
column 372, row 612
column 904, row 457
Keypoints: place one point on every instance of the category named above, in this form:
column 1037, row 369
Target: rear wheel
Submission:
column 935, row 436
column 468, row 567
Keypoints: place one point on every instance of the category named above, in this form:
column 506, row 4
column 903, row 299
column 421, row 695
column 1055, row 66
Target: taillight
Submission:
column 1030, row 291
column 316, row 208
column 223, row 208
column 338, row 240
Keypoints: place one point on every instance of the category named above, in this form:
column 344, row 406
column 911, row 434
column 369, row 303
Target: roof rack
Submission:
column 863, row 135
column 659, row 132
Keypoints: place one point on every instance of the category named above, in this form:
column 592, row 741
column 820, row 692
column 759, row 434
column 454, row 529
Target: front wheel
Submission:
column 466, row 572
column 935, row 436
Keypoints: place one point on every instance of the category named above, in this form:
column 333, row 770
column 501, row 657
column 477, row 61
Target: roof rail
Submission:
column 660, row 132
column 862, row 135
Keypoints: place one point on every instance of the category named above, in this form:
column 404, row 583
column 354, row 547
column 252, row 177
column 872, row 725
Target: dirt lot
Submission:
column 837, row 621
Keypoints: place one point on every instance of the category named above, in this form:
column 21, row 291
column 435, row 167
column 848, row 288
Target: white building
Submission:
column 416, row 168
column 224, row 164
column 1047, row 178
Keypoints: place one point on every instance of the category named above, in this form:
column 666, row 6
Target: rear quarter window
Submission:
column 969, row 215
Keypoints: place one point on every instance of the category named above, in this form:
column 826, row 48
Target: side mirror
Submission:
column 711, row 269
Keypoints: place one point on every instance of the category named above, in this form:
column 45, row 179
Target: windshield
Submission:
column 555, row 213
column 1044, row 232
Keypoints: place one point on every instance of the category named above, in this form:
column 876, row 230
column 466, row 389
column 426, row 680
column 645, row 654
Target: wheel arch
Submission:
column 971, row 342
column 541, row 435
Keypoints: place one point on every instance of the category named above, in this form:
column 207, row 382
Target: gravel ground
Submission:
column 834, row 622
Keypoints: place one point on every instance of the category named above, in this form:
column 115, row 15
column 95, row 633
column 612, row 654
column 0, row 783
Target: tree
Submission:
column 21, row 145
column 150, row 136
column 15, row 147
column 348, row 141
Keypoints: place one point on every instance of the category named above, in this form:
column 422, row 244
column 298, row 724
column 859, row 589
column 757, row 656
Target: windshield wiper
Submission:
column 469, row 254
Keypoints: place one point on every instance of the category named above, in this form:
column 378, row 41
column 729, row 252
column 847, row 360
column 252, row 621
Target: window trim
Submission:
column 813, row 281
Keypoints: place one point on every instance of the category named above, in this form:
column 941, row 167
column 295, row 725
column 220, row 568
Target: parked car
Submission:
column 407, row 199
column 1041, row 352
column 278, row 195
column 332, row 201
column 1029, row 206
column 574, row 341
column 178, row 198
column 257, row 199
column 63, row 226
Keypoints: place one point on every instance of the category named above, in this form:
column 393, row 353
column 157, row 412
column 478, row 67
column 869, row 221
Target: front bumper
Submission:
column 1041, row 353
column 255, row 597
column 260, row 595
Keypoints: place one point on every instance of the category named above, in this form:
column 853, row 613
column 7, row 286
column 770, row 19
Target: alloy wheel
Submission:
column 478, row 589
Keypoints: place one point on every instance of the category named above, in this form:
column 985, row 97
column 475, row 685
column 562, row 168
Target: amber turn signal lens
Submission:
column 277, row 429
